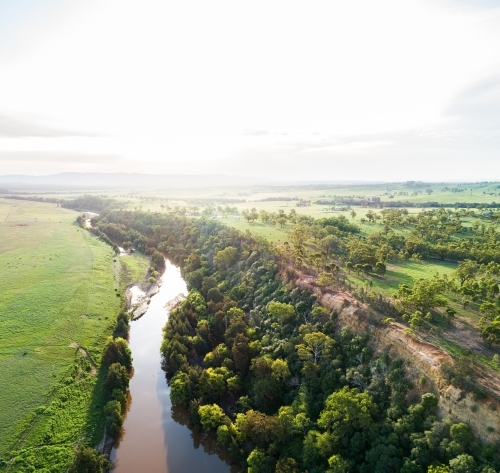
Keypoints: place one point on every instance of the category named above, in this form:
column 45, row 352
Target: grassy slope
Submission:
column 57, row 289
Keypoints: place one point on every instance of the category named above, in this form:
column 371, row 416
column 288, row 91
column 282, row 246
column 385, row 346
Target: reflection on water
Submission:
column 156, row 437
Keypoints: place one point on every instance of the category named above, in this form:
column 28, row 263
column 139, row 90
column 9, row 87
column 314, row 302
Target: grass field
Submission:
column 404, row 272
column 133, row 268
column 58, row 289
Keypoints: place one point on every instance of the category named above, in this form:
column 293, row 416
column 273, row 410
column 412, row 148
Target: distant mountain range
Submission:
column 93, row 180
column 122, row 179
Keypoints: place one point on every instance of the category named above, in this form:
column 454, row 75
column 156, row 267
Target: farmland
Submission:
column 59, row 294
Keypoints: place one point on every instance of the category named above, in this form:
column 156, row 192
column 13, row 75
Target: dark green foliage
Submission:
column 117, row 351
column 117, row 379
column 340, row 222
column 122, row 325
column 303, row 394
column 114, row 418
column 88, row 460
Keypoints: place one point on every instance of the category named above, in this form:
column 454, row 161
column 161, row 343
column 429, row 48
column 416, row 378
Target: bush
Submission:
column 114, row 418
column 211, row 416
column 88, row 460
column 117, row 379
column 117, row 351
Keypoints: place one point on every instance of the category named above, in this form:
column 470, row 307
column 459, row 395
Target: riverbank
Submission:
column 156, row 437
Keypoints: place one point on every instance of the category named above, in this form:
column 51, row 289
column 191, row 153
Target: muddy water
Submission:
column 156, row 437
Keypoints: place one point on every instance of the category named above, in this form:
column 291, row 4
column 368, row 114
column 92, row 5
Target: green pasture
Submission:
column 133, row 268
column 58, row 289
column 404, row 272
column 272, row 233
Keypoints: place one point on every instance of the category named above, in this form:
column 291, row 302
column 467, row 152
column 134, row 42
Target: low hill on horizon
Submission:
column 142, row 180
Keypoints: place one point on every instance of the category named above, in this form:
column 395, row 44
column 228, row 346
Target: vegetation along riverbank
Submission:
column 274, row 371
column 61, row 293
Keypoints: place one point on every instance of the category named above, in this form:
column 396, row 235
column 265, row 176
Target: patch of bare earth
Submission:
column 86, row 355
column 462, row 332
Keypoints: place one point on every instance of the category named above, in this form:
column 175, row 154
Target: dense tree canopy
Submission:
column 269, row 372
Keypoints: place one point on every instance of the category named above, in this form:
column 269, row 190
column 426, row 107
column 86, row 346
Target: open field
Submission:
column 133, row 268
column 448, row 193
column 58, row 293
column 403, row 272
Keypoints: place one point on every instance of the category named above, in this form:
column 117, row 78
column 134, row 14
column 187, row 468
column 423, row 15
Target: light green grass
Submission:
column 57, row 289
column 404, row 272
column 133, row 268
column 272, row 233
column 4, row 210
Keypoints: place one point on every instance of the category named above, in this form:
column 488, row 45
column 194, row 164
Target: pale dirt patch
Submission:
column 86, row 355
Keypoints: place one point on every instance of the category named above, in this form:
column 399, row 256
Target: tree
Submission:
column 491, row 334
column 424, row 295
column 489, row 309
column 279, row 311
column 287, row 465
column 353, row 214
column 214, row 295
column 180, row 389
column 337, row 464
column 226, row 257
column 292, row 215
column 299, row 236
column 326, row 279
column 281, row 220
column 462, row 434
column 466, row 270
column 320, row 314
column 463, row 464
column 240, row 351
column 438, row 469
column 88, row 460
column 370, row 215
column 346, row 412
column 211, row 416
column 261, row 428
column 253, row 214
column 114, row 418
column 330, row 244
column 255, row 460
column 118, row 378
column 211, row 384
column 264, row 216
column 280, row 369
column 267, row 393
column 208, row 282
column 117, row 351
column 380, row 268
column 315, row 345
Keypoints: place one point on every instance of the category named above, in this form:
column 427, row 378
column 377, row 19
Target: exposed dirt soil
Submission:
column 86, row 355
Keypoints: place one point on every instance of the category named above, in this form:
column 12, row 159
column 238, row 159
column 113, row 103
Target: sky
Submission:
column 320, row 90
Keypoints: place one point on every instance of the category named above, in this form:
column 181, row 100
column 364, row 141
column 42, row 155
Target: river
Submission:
column 156, row 437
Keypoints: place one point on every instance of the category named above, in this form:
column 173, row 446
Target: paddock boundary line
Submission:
column 8, row 214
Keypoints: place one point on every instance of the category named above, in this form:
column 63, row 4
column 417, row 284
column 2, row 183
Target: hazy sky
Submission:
column 382, row 90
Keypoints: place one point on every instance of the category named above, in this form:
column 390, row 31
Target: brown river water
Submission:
column 156, row 437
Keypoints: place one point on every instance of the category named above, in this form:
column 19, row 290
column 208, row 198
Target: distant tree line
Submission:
column 409, row 204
